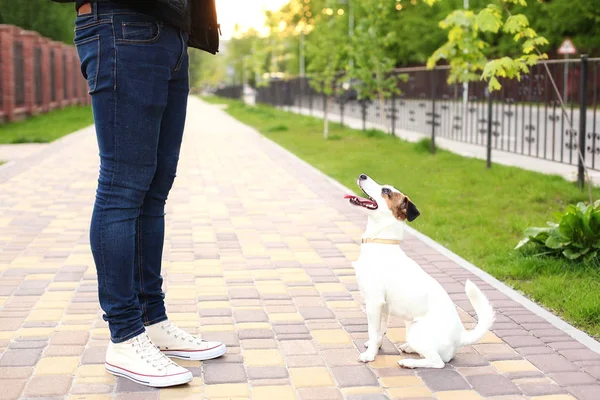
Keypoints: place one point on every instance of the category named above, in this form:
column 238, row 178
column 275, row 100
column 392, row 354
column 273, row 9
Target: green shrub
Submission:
column 374, row 133
column 278, row 128
column 423, row 145
column 577, row 235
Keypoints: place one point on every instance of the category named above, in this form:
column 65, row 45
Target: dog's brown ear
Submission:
column 402, row 208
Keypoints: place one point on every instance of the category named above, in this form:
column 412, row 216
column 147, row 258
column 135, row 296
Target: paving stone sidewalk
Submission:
column 258, row 255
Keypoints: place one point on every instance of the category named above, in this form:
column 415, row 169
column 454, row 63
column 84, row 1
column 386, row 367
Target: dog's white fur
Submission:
column 393, row 283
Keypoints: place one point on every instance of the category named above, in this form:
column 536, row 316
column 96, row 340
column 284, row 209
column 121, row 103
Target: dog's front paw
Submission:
column 379, row 344
column 366, row 357
column 406, row 348
column 407, row 363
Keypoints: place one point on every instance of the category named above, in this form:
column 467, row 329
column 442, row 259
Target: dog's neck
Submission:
column 388, row 230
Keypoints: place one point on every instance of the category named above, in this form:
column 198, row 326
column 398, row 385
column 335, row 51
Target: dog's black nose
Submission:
column 362, row 177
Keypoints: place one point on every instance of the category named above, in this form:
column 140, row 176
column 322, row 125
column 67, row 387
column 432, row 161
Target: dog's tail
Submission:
column 485, row 315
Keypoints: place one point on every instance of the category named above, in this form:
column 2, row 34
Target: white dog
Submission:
column 392, row 283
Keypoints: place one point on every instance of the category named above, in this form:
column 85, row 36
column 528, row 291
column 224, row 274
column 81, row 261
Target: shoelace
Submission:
column 150, row 353
column 180, row 333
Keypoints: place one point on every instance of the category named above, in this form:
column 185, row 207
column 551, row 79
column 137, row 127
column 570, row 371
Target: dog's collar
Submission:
column 382, row 241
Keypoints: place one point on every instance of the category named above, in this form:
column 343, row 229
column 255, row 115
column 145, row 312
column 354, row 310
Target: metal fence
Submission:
column 233, row 92
column 526, row 117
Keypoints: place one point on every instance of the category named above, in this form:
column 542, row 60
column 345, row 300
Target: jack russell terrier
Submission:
column 392, row 283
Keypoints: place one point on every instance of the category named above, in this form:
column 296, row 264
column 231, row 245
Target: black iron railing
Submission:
column 526, row 115
column 232, row 92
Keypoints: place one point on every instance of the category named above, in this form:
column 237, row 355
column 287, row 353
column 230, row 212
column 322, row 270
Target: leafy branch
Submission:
column 468, row 62
column 374, row 61
column 465, row 48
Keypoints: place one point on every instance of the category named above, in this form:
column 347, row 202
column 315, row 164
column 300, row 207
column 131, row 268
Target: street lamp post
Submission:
column 351, row 26
column 302, row 57
column 465, row 84
column 350, row 23
column 465, row 88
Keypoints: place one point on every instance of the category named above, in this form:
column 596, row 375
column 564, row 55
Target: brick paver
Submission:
column 258, row 255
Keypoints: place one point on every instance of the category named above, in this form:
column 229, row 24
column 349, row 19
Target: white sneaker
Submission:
column 141, row 361
column 175, row 342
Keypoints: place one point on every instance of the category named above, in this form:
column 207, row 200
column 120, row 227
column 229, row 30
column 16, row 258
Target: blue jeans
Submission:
column 137, row 72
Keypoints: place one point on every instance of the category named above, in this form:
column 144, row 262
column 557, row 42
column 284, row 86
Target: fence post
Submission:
column 582, row 120
column 433, row 115
column 300, row 98
column 59, row 82
column 363, row 109
column 27, row 38
column 7, row 33
column 489, row 128
column 46, row 79
column 324, row 101
column 54, row 74
column 69, row 69
column 290, row 95
column 310, row 100
column 393, row 111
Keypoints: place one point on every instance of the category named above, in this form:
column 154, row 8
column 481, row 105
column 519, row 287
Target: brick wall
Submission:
column 37, row 74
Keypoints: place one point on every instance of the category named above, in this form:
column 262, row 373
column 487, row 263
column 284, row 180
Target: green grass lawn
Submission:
column 477, row 213
column 45, row 128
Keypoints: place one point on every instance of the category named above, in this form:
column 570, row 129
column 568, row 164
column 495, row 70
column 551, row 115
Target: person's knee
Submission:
column 156, row 197
column 125, row 186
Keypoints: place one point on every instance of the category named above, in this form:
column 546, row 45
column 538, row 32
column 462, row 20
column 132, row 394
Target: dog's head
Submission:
column 383, row 201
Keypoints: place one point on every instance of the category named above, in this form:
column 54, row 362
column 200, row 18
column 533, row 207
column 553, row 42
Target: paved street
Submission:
column 258, row 254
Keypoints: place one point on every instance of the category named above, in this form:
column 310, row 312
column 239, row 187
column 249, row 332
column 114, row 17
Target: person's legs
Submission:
column 129, row 96
column 151, row 221
column 125, row 58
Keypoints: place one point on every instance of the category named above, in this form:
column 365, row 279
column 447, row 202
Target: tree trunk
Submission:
column 384, row 120
column 381, row 101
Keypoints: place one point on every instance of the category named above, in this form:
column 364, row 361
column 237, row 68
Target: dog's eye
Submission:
column 386, row 191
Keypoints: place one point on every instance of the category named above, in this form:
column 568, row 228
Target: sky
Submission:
column 246, row 13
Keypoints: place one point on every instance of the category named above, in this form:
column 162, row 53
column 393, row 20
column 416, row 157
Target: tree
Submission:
column 373, row 60
column 579, row 20
column 238, row 54
column 415, row 40
column 327, row 59
column 466, row 45
column 468, row 61
column 206, row 70
column 52, row 20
